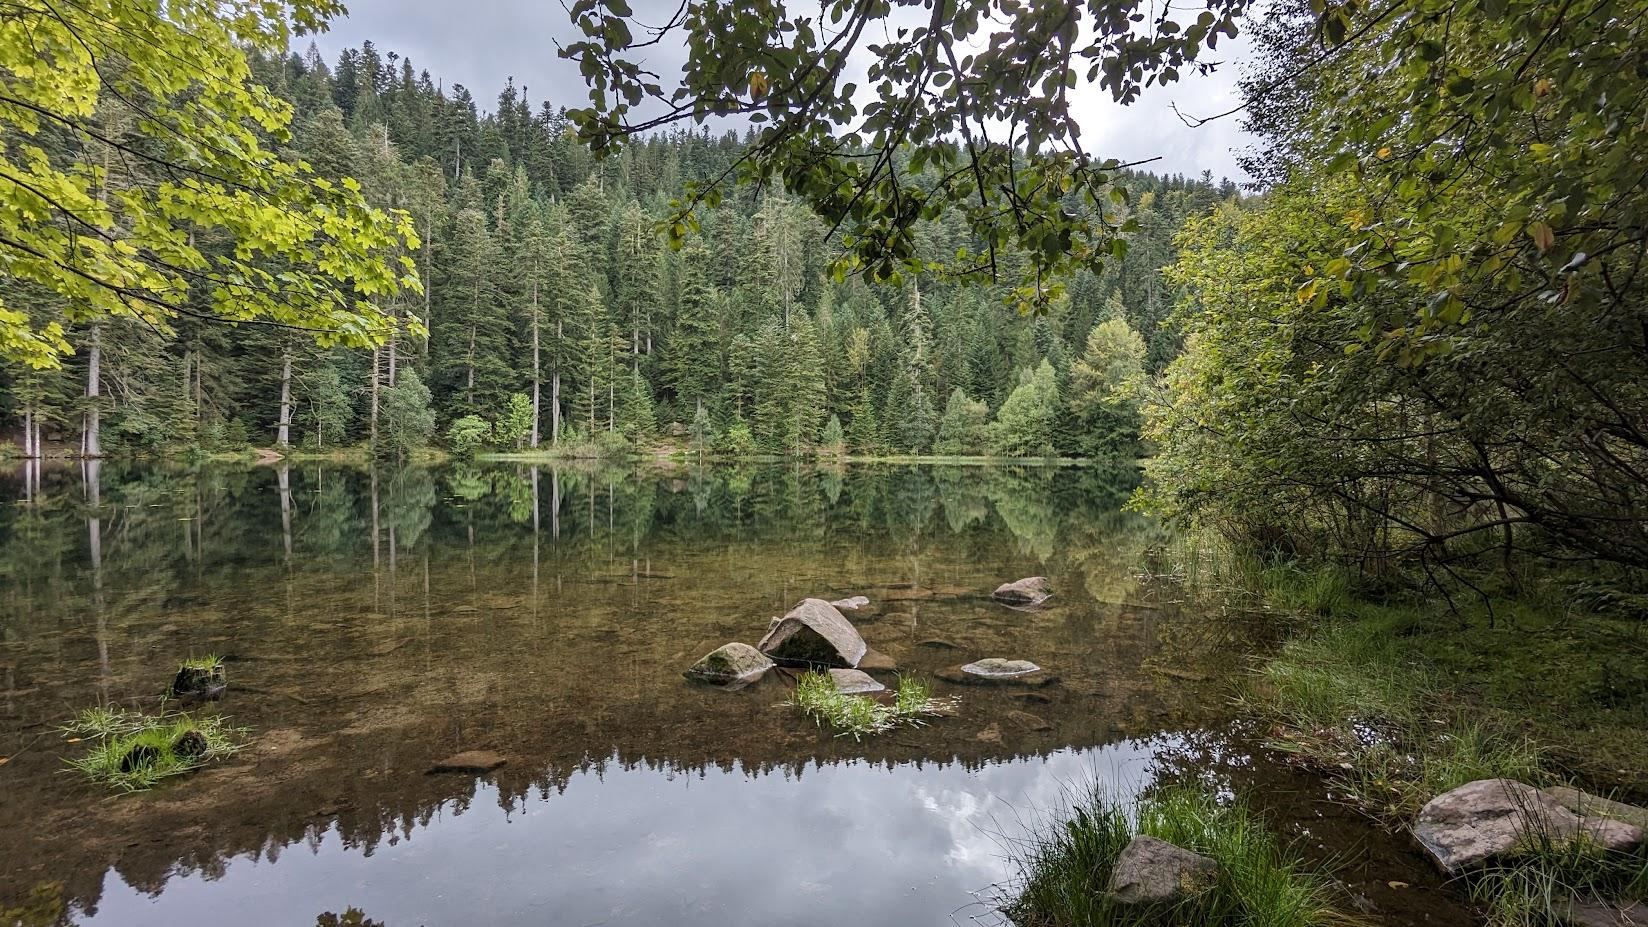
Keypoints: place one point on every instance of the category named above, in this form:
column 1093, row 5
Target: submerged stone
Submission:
column 729, row 664
column 471, row 762
column 1032, row 590
column 1481, row 821
column 1025, row 721
column 851, row 602
column 995, row 670
column 855, row 682
column 1150, row 871
column 814, row 634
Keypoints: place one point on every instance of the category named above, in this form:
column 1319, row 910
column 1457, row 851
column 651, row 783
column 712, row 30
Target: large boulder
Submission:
column 1150, row 871
column 1487, row 819
column 1032, row 590
column 729, row 664
column 814, row 634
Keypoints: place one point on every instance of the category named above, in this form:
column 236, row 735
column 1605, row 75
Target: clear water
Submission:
column 375, row 622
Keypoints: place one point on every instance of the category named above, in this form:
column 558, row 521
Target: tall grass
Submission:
column 1380, row 722
column 1537, row 885
column 133, row 751
column 859, row 716
column 1064, row 870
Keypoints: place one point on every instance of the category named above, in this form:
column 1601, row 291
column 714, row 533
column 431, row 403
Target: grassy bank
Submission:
column 1064, row 869
column 1399, row 697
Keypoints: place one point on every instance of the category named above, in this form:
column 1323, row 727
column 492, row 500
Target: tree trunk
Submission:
column 555, row 392
column 375, row 378
column 28, row 431
column 537, row 369
column 283, row 431
column 392, row 355
column 91, row 444
column 470, row 388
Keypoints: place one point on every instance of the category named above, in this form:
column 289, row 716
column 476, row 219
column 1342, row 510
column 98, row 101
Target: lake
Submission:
column 374, row 622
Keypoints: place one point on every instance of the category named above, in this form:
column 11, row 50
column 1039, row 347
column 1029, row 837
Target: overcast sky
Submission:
column 480, row 43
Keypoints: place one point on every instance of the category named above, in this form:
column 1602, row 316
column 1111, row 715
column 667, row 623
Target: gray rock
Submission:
column 854, row 682
column 1587, row 805
column 728, row 664
column 469, row 762
column 851, row 603
column 1489, row 818
column 1151, row 871
column 814, row 633
column 876, row 661
column 1578, row 913
column 1032, row 590
column 997, row 671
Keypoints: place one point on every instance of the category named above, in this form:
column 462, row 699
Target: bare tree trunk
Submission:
column 555, row 392
column 28, row 431
column 470, row 390
column 283, row 430
column 91, row 444
column 283, row 477
column 375, row 378
column 537, row 371
column 393, row 340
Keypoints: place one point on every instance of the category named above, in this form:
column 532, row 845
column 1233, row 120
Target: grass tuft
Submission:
column 1064, row 869
column 859, row 716
column 134, row 751
column 1535, row 887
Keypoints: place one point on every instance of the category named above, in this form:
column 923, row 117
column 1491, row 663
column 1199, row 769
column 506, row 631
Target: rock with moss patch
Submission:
column 730, row 664
column 1482, row 821
column 190, row 745
column 814, row 634
column 199, row 681
column 1151, row 871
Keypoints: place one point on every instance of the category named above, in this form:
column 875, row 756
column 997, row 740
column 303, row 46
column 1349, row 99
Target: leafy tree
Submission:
column 1025, row 424
column 408, row 414
column 1105, row 410
column 514, row 426
column 306, row 252
column 964, row 429
column 468, row 434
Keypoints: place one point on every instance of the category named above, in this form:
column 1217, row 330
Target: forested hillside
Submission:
column 553, row 313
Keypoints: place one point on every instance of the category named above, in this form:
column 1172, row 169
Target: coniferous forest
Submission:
column 552, row 313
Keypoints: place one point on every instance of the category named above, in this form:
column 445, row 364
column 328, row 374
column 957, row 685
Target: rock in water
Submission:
column 851, row 602
column 1029, row 722
column 855, row 682
column 190, row 745
column 814, row 634
column 1151, row 871
column 1032, row 590
column 471, row 762
column 877, row 661
column 730, row 663
column 199, row 682
column 1489, row 818
column 997, row 671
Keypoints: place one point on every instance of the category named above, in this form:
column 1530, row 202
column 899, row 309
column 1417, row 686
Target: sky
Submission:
column 481, row 43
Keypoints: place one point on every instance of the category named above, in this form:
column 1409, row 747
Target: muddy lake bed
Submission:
column 375, row 622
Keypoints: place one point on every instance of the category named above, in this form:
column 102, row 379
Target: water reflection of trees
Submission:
column 162, row 523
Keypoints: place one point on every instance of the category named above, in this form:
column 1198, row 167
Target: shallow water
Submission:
column 374, row 622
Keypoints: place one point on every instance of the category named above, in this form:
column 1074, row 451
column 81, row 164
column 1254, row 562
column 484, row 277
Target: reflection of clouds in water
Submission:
column 642, row 846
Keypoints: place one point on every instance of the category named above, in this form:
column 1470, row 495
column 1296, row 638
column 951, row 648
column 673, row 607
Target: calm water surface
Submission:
column 374, row 623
